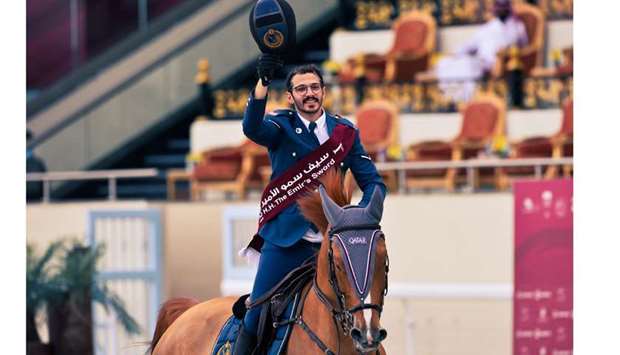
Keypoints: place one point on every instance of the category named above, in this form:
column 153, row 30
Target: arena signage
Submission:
column 543, row 273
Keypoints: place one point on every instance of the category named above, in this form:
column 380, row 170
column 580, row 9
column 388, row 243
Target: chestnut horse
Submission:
column 335, row 318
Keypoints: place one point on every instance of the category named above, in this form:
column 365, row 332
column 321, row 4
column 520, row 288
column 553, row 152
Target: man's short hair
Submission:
column 303, row 69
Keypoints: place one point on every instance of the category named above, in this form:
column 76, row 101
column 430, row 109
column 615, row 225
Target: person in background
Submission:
column 34, row 189
column 476, row 58
column 503, row 31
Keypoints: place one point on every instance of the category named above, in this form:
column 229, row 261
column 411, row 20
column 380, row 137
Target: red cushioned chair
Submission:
column 378, row 125
column 414, row 43
column 557, row 146
column 483, row 119
column 230, row 169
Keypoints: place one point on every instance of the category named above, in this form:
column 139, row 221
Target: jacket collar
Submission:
column 331, row 122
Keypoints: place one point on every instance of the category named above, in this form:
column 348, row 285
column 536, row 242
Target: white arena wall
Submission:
column 451, row 263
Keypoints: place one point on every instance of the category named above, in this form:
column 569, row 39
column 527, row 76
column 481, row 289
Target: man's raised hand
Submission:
column 268, row 66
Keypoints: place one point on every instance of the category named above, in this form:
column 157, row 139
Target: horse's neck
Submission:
column 320, row 320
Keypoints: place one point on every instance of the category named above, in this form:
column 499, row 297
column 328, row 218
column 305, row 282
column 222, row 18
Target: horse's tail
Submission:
column 168, row 313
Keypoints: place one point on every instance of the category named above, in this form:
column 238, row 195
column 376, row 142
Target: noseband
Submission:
column 341, row 315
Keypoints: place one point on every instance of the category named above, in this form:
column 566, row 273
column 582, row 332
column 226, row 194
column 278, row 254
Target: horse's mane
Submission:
column 310, row 204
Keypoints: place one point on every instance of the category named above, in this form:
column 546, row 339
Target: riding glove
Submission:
column 268, row 66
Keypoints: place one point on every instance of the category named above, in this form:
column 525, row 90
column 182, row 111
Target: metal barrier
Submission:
column 110, row 175
column 470, row 165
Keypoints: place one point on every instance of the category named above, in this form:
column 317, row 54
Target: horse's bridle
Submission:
column 341, row 315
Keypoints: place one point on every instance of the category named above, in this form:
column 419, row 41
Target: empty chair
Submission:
column 230, row 169
column 483, row 119
column 414, row 43
column 413, row 46
column 557, row 146
column 378, row 125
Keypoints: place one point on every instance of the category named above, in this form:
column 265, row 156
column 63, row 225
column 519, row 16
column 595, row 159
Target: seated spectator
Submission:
column 34, row 189
column 476, row 58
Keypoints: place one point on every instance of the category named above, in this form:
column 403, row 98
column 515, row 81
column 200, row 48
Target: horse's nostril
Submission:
column 382, row 334
column 356, row 334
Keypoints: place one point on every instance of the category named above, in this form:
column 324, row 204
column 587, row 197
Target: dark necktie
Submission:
column 312, row 127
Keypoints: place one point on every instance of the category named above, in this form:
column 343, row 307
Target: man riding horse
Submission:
column 300, row 144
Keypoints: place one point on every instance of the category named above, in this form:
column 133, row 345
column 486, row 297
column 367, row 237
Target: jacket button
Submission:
column 294, row 154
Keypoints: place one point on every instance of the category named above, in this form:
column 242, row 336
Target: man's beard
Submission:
column 301, row 103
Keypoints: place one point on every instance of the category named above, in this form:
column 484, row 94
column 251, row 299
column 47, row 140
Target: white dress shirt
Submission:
column 321, row 127
column 321, row 133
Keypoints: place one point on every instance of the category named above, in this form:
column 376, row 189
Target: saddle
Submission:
column 275, row 303
column 279, row 306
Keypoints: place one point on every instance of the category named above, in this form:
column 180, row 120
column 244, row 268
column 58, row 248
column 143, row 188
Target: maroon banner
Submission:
column 283, row 191
column 543, row 273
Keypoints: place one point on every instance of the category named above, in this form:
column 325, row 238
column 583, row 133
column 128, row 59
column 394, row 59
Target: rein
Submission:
column 340, row 314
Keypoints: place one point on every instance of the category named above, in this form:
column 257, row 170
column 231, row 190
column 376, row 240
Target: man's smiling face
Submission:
column 307, row 94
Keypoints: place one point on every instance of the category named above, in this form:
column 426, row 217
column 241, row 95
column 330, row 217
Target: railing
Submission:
column 379, row 14
column 470, row 166
column 410, row 97
column 111, row 175
column 401, row 167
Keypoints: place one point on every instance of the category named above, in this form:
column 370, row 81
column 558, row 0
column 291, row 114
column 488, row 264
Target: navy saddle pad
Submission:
column 228, row 334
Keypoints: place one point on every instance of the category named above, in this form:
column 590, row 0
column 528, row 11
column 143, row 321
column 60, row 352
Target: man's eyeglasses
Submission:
column 302, row 89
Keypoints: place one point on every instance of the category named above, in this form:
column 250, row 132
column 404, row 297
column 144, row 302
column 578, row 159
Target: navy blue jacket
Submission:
column 289, row 141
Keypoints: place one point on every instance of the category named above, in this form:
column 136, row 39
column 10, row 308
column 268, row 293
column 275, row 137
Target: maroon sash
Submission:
column 304, row 175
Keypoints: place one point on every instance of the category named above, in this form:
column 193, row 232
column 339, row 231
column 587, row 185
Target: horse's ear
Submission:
column 332, row 211
column 374, row 209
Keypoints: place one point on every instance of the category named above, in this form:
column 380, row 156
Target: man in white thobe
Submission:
column 476, row 58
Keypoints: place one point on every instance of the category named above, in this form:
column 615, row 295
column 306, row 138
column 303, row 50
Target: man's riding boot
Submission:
column 245, row 344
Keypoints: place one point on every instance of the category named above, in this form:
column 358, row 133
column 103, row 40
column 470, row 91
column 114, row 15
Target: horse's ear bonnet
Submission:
column 371, row 214
column 357, row 245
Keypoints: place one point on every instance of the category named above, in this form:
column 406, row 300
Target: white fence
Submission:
column 131, row 267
